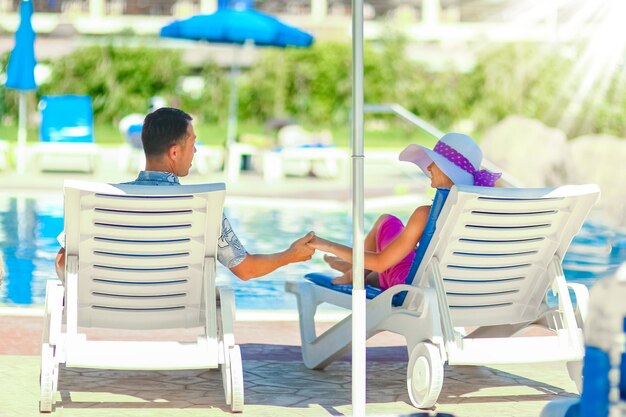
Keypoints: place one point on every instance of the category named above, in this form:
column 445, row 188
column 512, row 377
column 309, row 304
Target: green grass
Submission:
column 390, row 137
column 104, row 134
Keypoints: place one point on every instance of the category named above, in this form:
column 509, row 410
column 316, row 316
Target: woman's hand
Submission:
column 320, row 244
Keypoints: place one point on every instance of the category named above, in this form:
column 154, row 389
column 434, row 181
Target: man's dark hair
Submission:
column 163, row 128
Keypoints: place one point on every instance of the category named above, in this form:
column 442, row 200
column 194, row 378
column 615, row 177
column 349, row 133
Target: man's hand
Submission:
column 300, row 250
column 254, row 266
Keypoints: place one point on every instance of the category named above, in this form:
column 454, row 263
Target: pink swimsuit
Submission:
column 389, row 229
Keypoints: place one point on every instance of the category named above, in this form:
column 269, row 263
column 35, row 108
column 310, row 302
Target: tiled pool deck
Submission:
column 276, row 381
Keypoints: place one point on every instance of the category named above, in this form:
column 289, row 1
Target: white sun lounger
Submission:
column 140, row 258
column 493, row 257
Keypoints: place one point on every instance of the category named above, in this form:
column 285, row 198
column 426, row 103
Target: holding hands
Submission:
column 320, row 243
column 335, row 262
column 301, row 250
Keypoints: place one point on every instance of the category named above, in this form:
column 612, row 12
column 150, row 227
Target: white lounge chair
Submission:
column 301, row 152
column 493, row 256
column 140, row 258
column 327, row 161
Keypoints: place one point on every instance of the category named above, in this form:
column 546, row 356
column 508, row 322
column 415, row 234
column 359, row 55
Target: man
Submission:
column 168, row 141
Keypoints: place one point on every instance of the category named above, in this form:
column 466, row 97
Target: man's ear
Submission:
column 173, row 152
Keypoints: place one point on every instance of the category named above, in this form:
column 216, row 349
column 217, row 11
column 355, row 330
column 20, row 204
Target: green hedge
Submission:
column 314, row 85
column 119, row 80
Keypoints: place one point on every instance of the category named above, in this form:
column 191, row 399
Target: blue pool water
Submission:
column 29, row 227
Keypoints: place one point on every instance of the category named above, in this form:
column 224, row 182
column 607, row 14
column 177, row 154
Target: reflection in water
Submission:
column 29, row 227
column 19, row 225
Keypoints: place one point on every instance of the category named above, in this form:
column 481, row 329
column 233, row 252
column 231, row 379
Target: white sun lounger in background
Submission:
column 140, row 258
column 494, row 255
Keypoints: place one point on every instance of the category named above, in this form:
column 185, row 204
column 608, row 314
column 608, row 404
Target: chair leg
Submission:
column 575, row 371
column 47, row 383
column 51, row 334
column 226, row 340
column 318, row 351
column 307, row 307
column 230, row 353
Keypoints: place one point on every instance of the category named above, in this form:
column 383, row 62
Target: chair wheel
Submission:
column 236, row 374
column 424, row 375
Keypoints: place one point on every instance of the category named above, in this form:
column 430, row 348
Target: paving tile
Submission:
column 276, row 385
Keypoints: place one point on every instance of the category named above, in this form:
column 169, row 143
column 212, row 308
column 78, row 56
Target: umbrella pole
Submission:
column 359, row 385
column 21, row 134
column 233, row 104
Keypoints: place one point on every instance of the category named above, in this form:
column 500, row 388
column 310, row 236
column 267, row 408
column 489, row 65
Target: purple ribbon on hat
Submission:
column 482, row 177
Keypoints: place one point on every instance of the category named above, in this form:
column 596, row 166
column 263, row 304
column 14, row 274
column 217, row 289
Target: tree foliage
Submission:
column 314, row 85
column 120, row 80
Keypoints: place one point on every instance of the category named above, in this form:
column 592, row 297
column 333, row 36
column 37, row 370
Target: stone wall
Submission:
column 602, row 160
column 538, row 156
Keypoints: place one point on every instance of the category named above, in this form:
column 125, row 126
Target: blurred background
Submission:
column 459, row 64
column 541, row 84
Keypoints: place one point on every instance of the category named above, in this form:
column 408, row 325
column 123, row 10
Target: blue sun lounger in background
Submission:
column 604, row 368
column 66, row 134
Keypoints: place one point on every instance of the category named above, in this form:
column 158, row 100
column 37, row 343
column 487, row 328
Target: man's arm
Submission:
column 60, row 264
column 257, row 265
column 391, row 254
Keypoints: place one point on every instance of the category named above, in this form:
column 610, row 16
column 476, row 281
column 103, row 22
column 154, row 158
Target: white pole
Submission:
column 359, row 385
column 96, row 8
column 233, row 104
column 431, row 9
column 208, row 6
column 319, row 10
column 21, row 135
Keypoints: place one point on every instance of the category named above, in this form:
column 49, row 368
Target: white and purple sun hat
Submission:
column 457, row 155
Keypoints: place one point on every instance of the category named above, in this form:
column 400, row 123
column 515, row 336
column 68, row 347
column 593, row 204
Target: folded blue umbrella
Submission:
column 21, row 68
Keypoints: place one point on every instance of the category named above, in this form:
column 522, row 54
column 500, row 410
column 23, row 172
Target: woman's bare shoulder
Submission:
column 420, row 214
column 422, row 210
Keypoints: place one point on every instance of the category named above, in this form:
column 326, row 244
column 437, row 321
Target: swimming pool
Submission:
column 29, row 226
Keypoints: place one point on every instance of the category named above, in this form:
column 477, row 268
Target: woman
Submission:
column 390, row 246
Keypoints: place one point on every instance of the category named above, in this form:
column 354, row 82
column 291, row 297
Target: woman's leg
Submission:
column 390, row 227
column 369, row 245
column 370, row 239
column 372, row 279
column 337, row 263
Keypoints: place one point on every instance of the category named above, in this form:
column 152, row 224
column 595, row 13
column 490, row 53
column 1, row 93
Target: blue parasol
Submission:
column 21, row 72
column 237, row 25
